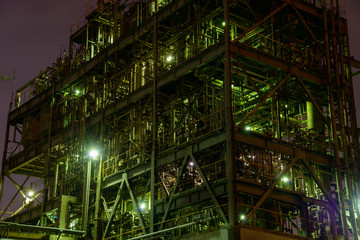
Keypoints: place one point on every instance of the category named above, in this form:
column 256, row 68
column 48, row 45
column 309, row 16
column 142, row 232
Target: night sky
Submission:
column 32, row 34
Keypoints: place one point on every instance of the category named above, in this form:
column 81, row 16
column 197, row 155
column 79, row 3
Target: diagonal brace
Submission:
column 312, row 100
column 261, row 22
column 208, row 187
column 321, row 185
column 272, row 186
column 248, row 116
column 133, row 198
column 173, row 191
column 17, row 192
column 308, row 28
column 116, row 204
column 20, row 188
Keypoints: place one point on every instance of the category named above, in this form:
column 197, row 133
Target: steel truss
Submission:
column 209, row 117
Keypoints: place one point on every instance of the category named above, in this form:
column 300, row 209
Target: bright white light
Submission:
column 285, row 179
column 142, row 206
column 169, row 58
column 191, row 163
column 93, row 153
column 27, row 200
column 30, row 193
column 77, row 92
column 286, row 106
column 242, row 217
column 72, row 224
column 224, row 23
column 247, row 128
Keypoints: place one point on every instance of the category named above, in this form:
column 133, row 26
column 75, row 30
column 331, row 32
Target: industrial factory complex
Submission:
column 189, row 119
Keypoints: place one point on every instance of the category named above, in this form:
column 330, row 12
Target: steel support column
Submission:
column 334, row 128
column 230, row 166
column 154, row 128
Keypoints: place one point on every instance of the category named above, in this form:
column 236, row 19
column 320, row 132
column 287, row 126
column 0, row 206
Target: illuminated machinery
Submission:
column 205, row 119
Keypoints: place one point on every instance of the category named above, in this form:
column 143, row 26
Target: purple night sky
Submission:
column 32, row 34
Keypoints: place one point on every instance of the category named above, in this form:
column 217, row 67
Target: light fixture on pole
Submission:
column 93, row 153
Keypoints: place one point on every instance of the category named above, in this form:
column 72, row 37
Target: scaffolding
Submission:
column 211, row 119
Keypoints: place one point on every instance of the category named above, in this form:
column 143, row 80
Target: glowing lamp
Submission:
column 93, row 153
column 169, row 58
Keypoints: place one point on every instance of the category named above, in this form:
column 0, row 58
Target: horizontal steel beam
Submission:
column 277, row 194
column 264, row 58
column 162, row 160
column 279, row 146
column 194, row 195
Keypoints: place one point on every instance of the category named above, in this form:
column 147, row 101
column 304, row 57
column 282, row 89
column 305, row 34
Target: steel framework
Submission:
column 211, row 119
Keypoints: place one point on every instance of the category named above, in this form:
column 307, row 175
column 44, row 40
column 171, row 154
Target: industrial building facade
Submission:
column 190, row 119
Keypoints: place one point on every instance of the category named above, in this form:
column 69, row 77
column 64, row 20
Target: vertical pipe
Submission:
column 230, row 166
column 86, row 196
column 154, row 128
column 334, row 131
column 349, row 187
column 47, row 160
column 355, row 137
column 56, row 180
column 341, row 117
column 305, row 215
column 333, row 223
column 87, row 170
column 99, row 172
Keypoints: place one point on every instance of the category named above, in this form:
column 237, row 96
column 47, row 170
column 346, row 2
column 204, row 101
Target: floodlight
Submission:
column 93, row 153
column 285, row 179
column 169, row 58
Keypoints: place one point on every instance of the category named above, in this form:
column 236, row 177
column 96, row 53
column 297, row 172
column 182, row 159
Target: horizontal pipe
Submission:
column 40, row 228
column 161, row 231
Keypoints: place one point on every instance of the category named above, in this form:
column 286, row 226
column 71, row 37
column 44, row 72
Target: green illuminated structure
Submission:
column 210, row 119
